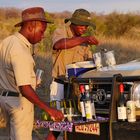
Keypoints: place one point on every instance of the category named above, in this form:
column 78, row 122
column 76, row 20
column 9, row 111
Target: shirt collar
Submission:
column 69, row 32
column 22, row 38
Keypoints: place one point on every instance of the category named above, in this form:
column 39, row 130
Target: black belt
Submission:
column 59, row 81
column 10, row 93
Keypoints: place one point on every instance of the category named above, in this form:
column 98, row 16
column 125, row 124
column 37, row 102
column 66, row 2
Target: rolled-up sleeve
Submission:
column 57, row 35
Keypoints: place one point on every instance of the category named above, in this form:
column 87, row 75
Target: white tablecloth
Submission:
column 127, row 69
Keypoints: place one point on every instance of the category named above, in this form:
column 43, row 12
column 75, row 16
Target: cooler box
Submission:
column 79, row 68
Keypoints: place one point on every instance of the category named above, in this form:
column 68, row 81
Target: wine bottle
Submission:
column 75, row 107
column 93, row 108
column 91, row 86
column 55, row 104
column 88, row 106
column 70, row 106
column 82, row 102
column 70, row 111
column 121, row 105
column 65, row 108
column 62, row 106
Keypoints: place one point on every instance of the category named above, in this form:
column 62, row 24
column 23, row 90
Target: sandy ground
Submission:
column 36, row 135
column 34, row 138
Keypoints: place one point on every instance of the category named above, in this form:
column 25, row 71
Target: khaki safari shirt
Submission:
column 16, row 63
column 67, row 56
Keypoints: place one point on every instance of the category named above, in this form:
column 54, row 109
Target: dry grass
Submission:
column 44, row 61
column 126, row 49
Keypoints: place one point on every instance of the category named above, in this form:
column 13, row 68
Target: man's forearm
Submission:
column 28, row 92
column 67, row 43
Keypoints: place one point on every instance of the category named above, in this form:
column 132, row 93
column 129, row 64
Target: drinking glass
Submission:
column 97, row 59
column 39, row 74
column 110, row 58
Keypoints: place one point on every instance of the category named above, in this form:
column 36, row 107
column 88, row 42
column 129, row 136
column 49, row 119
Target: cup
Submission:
column 110, row 58
column 39, row 73
column 97, row 59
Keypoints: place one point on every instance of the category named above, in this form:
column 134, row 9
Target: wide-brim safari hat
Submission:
column 33, row 14
column 81, row 17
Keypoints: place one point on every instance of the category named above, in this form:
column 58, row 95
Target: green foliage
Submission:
column 100, row 26
column 7, row 27
column 8, row 13
column 118, row 24
column 90, row 32
column 46, row 43
column 48, row 17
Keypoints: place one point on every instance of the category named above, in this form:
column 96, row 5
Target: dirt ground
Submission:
column 36, row 135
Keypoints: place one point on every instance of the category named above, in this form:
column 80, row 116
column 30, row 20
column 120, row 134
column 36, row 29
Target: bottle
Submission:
column 65, row 106
column 70, row 111
column 88, row 106
column 75, row 108
column 70, row 107
column 121, row 106
column 82, row 102
column 62, row 106
column 93, row 108
column 54, row 104
column 91, row 85
column 131, row 111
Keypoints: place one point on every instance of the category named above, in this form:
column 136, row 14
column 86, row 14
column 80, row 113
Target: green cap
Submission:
column 81, row 17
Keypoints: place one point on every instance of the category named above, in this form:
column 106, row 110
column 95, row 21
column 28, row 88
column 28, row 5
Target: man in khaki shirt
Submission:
column 70, row 46
column 17, row 76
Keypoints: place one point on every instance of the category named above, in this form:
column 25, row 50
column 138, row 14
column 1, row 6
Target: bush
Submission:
column 119, row 24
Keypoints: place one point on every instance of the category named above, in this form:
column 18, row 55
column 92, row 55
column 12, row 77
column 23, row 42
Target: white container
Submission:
column 131, row 111
column 110, row 58
column 135, row 93
column 97, row 59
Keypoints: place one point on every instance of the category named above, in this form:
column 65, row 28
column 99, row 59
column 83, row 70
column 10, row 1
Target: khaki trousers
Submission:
column 19, row 113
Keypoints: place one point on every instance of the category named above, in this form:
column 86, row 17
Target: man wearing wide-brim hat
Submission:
column 17, row 76
column 70, row 46
column 81, row 17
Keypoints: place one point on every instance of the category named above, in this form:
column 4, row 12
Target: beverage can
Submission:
column 131, row 111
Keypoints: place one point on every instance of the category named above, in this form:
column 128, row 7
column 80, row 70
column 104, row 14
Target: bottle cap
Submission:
column 121, row 88
column 86, row 87
column 82, row 88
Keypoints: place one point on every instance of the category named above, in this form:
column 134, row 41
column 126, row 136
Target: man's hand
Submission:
column 29, row 93
column 92, row 40
column 55, row 114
